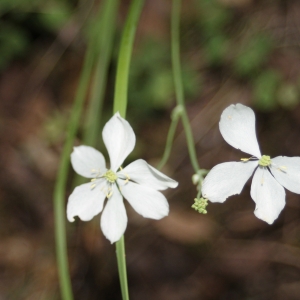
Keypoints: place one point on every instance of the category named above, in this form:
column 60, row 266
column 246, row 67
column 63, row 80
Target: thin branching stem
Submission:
column 172, row 130
column 175, row 45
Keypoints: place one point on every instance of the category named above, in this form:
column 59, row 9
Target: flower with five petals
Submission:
column 237, row 126
column 139, row 183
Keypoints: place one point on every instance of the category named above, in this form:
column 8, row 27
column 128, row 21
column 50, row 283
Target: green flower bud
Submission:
column 200, row 205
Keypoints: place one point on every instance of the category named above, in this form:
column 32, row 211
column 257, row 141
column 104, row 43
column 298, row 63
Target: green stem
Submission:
column 121, row 259
column 175, row 22
column 121, row 85
column 199, row 193
column 103, row 49
column 120, row 105
column 60, row 185
column 175, row 118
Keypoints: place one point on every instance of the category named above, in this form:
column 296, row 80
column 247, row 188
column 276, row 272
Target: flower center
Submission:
column 265, row 161
column 110, row 176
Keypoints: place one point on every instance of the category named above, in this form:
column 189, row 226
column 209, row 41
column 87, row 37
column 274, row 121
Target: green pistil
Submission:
column 265, row 161
column 200, row 205
column 110, row 176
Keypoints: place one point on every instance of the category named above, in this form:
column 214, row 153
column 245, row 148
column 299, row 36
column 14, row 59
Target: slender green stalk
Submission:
column 106, row 28
column 60, row 185
column 120, row 105
column 121, row 259
column 175, row 118
column 121, row 85
column 199, row 193
column 175, row 22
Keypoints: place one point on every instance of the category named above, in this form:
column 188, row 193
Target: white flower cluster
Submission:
column 139, row 183
column 237, row 126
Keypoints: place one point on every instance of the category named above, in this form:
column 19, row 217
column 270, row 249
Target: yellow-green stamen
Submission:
column 110, row 176
column 265, row 161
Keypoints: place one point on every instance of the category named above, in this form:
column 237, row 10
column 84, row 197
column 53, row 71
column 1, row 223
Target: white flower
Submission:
column 139, row 183
column 237, row 126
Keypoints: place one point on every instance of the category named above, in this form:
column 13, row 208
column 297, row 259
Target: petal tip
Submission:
column 173, row 184
column 71, row 218
column 264, row 218
column 164, row 213
column 76, row 148
column 112, row 239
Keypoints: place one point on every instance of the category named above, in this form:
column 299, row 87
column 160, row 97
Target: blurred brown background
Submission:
column 233, row 51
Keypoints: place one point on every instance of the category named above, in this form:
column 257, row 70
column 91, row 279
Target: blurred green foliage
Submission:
column 226, row 40
column 213, row 17
column 265, row 88
column 216, row 49
column 55, row 127
column 21, row 20
column 288, row 95
column 151, row 78
column 212, row 22
column 13, row 42
column 252, row 54
column 55, row 14
column 224, row 45
column 234, row 44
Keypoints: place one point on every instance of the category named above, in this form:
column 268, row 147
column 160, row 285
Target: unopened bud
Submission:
column 200, row 205
column 195, row 179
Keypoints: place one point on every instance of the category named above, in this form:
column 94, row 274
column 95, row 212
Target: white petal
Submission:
column 119, row 140
column 114, row 218
column 286, row 170
column 227, row 179
column 146, row 201
column 237, row 126
column 85, row 202
column 268, row 195
column 142, row 173
column 84, row 159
